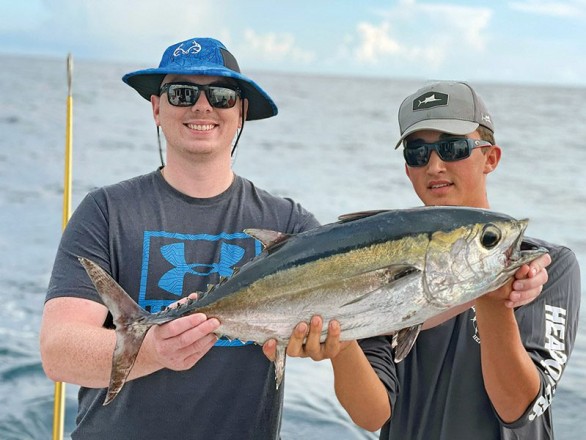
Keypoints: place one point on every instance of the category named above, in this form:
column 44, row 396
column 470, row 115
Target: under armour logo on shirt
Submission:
column 172, row 281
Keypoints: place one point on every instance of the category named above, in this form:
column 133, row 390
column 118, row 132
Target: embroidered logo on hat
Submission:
column 429, row 100
column 194, row 48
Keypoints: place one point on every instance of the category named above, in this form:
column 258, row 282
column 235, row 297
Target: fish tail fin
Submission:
column 130, row 328
column 128, row 345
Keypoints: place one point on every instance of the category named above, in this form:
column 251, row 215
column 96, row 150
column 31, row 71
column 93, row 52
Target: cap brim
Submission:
column 451, row 126
column 147, row 82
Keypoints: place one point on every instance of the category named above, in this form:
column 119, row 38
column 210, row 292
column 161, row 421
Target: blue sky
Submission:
column 522, row 41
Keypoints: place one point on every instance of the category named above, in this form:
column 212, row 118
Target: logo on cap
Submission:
column 429, row 100
column 194, row 48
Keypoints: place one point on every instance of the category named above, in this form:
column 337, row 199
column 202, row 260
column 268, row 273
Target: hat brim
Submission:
column 147, row 82
column 451, row 126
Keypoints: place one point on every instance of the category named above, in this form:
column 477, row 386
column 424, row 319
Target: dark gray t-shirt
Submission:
column 161, row 245
column 437, row 391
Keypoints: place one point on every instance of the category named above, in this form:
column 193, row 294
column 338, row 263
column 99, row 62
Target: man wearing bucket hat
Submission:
column 485, row 369
column 162, row 236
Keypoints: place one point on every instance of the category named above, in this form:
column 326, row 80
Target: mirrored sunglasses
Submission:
column 187, row 94
column 417, row 153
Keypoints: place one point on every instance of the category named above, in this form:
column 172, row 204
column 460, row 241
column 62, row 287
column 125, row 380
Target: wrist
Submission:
column 347, row 351
column 147, row 360
column 493, row 312
column 499, row 295
column 490, row 302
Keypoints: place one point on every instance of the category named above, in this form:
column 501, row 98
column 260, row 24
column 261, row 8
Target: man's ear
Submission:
column 493, row 157
column 155, row 101
column 407, row 171
column 243, row 116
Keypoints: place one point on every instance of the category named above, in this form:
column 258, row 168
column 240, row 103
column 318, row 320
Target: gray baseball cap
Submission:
column 447, row 106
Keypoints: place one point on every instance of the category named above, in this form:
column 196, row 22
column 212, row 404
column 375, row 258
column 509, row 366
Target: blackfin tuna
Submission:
column 378, row 272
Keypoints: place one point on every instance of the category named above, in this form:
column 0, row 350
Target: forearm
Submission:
column 78, row 353
column 511, row 379
column 76, row 348
column 359, row 389
column 82, row 355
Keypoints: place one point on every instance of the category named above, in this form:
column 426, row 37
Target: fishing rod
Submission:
column 59, row 399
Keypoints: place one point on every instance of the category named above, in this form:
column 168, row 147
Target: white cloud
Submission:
column 428, row 33
column 376, row 41
column 377, row 45
column 276, row 47
column 564, row 9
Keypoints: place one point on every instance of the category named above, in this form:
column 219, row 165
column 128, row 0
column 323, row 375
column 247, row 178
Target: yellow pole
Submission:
column 59, row 401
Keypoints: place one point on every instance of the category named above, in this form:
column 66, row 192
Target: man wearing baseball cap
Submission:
column 162, row 236
column 486, row 369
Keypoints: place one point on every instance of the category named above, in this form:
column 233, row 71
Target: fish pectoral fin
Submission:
column 404, row 340
column 269, row 239
column 279, row 361
column 400, row 271
column 385, row 277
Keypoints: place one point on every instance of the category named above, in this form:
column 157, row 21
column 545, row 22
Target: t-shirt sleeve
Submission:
column 301, row 219
column 548, row 329
column 86, row 235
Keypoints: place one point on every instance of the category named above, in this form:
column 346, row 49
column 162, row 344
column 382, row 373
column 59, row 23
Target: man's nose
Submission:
column 435, row 163
column 202, row 102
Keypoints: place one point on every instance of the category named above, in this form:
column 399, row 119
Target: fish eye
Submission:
column 491, row 235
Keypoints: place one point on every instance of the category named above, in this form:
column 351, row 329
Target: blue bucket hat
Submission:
column 202, row 56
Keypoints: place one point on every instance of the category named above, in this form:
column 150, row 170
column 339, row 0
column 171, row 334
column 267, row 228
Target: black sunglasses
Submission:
column 417, row 152
column 187, row 94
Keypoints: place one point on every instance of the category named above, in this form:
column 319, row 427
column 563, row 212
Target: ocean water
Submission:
column 330, row 148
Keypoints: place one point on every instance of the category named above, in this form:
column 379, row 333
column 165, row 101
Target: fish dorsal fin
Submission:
column 344, row 218
column 404, row 340
column 269, row 239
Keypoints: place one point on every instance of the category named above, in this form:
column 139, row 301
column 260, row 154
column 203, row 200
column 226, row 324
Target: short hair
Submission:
column 486, row 134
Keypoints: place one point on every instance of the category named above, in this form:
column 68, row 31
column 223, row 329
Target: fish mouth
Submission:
column 516, row 256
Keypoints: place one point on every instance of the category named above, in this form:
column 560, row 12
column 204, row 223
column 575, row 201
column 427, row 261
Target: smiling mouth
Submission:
column 200, row 127
column 439, row 185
